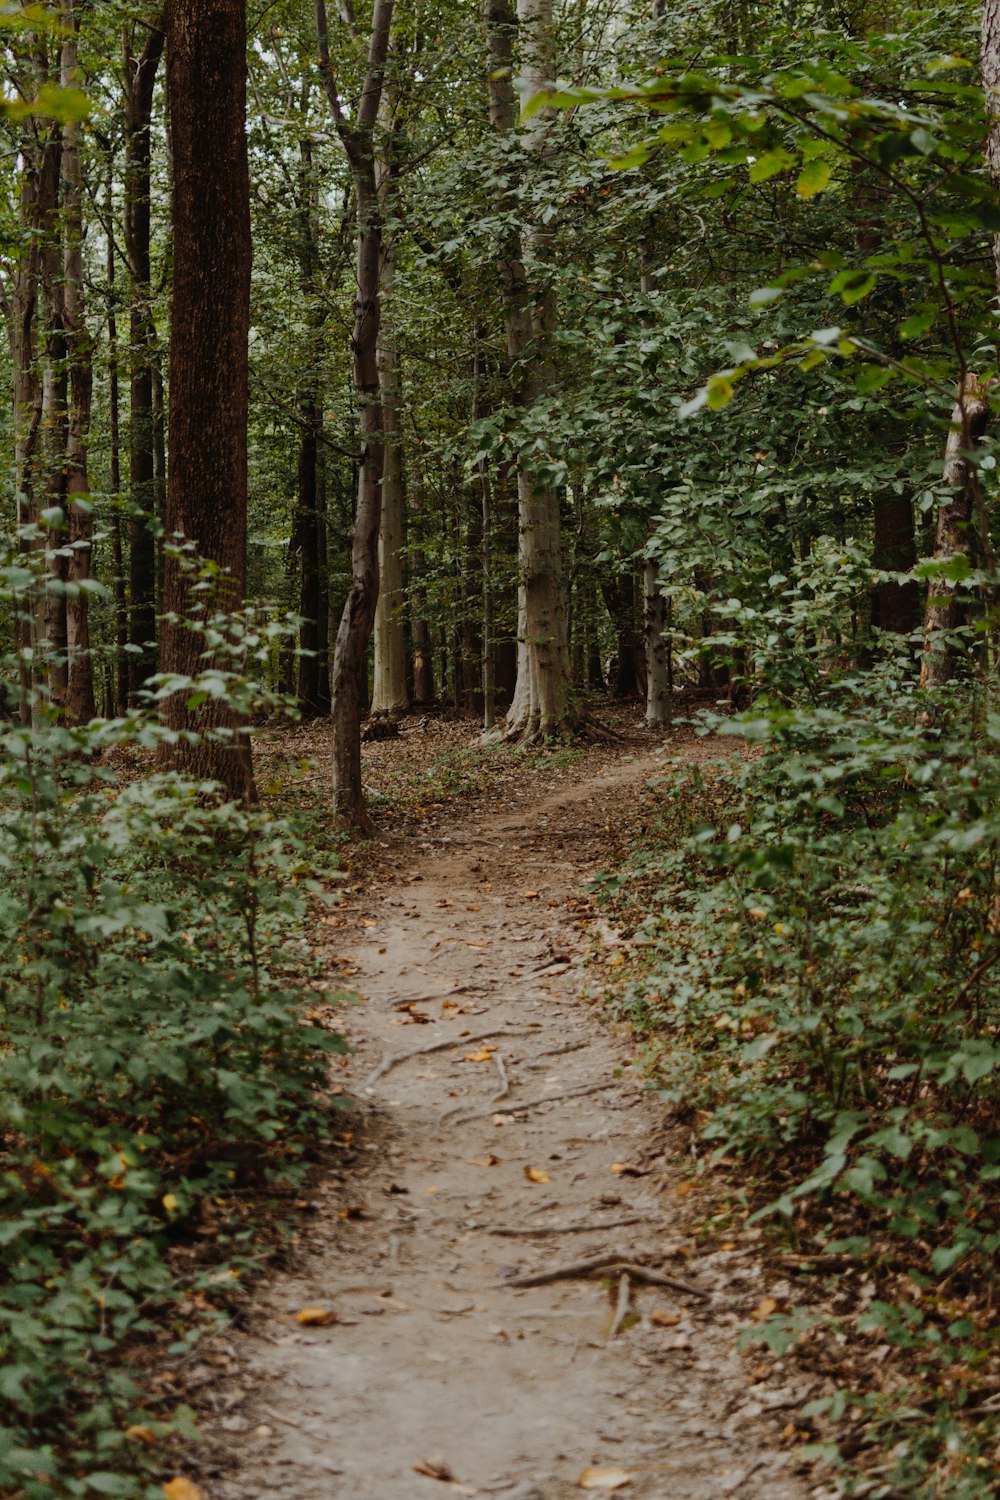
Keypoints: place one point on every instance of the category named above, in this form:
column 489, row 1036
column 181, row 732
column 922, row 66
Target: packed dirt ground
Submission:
column 499, row 1289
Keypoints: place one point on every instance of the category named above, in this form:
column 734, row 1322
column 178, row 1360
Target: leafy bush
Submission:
column 151, row 1061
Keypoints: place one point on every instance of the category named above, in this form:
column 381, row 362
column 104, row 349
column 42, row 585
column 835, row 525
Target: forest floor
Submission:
column 501, row 1131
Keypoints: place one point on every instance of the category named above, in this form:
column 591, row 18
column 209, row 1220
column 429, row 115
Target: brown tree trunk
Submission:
column 952, row 538
column 140, row 68
column 897, row 605
column 119, row 694
column 80, row 705
column 349, row 677
column 210, row 316
column 658, row 697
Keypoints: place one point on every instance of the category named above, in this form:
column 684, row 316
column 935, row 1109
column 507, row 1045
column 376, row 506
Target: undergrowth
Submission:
column 816, row 969
column 154, row 1065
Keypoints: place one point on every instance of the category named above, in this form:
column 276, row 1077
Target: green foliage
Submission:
column 153, row 1060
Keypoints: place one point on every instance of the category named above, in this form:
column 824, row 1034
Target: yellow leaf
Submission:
column 169, row 1201
column 316, row 1317
column 604, row 1479
column 484, row 1161
column 532, row 895
column 765, row 1308
column 626, row 1169
column 141, row 1434
column 535, row 1174
column 483, row 1055
column 181, row 1489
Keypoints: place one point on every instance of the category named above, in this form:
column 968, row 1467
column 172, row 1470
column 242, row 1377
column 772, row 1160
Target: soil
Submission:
column 526, row 1143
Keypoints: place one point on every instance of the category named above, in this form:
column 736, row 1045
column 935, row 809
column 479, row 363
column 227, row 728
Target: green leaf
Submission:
column 814, row 178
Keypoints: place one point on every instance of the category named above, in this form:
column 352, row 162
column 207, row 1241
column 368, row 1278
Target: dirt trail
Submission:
column 435, row 1361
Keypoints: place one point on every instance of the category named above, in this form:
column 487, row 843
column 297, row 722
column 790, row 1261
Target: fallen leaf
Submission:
column 485, row 1161
column 353, row 1211
column 683, row 1188
column 627, row 1169
column 434, row 1470
column 141, row 1434
column 765, row 1308
column 663, row 1318
column 169, row 1201
column 483, row 1055
column 535, row 1174
column 604, row 1479
column 532, row 895
column 181, row 1489
column 316, row 1317
column 473, row 908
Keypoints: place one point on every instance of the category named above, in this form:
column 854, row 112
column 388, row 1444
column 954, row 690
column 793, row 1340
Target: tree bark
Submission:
column 80, row 705
column 658, row 698
column 390, row 694
column 540, row 707
column 349, row 680
column 140, row 68
column 207, row 482
column 952, row 538
column 897, row 605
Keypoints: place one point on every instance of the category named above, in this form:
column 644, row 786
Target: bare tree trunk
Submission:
column 390, row 694
column 80, row 704
column 120, row 674
column 540, row 707
column 350, row 655
column 658, row 700
column 140, row 68
column 210, row 317
column 954, row 519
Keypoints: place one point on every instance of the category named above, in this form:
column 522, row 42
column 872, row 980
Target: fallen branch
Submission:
column 569, row 1228
column 394, row 1059
column 609, row 1263
column 501, row 1068
column 516, row 1106
column 621, row 1307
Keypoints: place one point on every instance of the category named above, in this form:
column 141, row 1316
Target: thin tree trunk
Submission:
column 210, row 318
column 658, row 699
column 954, row 520
column 349, row 677
column 140, row 70
column 390, row 694
column 120, row 675
column 80, row 705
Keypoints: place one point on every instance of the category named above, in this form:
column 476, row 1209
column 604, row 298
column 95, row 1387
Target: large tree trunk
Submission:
column 540, row 707
column 140, row 68
column 952, row 539
column 80, row 704
column 207, row 482
column 658, row 699
column 896, row 605
column 349, row 682
column 390, row 694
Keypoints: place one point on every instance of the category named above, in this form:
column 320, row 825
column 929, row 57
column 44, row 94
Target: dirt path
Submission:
column 439, row 1374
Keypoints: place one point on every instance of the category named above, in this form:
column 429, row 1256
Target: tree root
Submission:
column 621, row 1307
column 515, row 1106
column 609, row 1263
column 394, row 1059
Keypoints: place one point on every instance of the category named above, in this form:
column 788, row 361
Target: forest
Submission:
column 560, row 430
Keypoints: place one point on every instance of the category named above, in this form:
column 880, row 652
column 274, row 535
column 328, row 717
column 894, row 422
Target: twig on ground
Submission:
column 501, row 1068
column 395, row 1058
column 612, row 1261
column 517, row 1105
column 621, row 1307
column 594, row 1228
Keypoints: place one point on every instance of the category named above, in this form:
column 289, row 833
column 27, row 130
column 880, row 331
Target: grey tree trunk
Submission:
column 654, row 615
column 390, row 693
column 354, row 632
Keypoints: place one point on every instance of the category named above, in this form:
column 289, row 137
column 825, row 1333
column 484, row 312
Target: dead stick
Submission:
column 609, row 1262
column 594, row 1228
column 395, row 1058
column 621, row 1308
column 501, row 1068
column 515, row 1106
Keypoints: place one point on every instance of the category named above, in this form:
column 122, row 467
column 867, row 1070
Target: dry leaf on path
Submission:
column 434, row 1469
column 484, row 1161
column 628, row 1169
column 663, row 1318
column 604, row 1479
column 182, row 1489
column 765, row 1308
column 532, row 895
column 535, row 1174
column 316, row 1317
column 483, row 1055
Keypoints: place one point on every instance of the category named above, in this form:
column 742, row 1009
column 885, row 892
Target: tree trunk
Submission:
column 944, row 608
column 119, row 693
column 207, row 483
column 349, row 677
column 540, row 707
column 897, row 605
column 390, row 694
column 80, row 705
column 658, row 698
column 140, row 70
